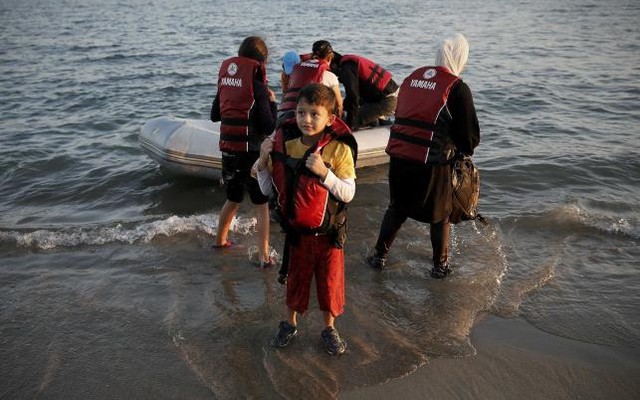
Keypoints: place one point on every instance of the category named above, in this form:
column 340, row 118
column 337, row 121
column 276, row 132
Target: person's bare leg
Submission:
column 292, row 317
column 329, row 319
column 228, row 211
column 262, row 216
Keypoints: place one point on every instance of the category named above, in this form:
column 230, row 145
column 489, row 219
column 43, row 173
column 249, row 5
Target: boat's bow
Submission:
column 183, row 146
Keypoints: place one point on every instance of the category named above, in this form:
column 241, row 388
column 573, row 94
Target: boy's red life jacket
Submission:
column 303, row 73
column 370, row 72
column 420, row 132
column 235, row 90
column 305, row 205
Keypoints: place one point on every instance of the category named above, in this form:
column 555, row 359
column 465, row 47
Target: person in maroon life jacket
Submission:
column 370, row 92
column 289, row 59
column 435, row 122
column 312, row 68
column 246, row 109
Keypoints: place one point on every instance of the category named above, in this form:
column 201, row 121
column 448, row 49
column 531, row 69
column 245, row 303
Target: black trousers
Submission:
column 391, row 224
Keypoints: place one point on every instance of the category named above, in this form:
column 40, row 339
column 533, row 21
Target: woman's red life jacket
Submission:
column 303, row 73
column 235, row 91
column 305, row 205
column 369, row 72
column 420, row 132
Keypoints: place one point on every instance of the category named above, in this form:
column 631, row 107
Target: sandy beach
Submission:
column 517, row 361
column 91, row 331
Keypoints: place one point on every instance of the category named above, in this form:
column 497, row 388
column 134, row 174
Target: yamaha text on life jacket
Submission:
column 235, row 89
column 303, row 73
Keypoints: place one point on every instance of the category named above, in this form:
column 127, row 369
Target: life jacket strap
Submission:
column 411, row 139
column 227, row 137
column 415, row 123
column 235, row 121
column 376, row 75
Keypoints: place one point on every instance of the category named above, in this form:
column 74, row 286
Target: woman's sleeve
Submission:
column 349, row 79
column 266, row 110
column 465, row 128
column 215, row 108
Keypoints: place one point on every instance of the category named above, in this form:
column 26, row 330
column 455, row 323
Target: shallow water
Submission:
column 107, row 283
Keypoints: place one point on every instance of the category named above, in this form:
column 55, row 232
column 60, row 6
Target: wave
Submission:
column 583, row 216
column 121, row 232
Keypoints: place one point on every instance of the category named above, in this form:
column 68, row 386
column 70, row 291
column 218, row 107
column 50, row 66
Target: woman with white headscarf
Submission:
column 435, row 122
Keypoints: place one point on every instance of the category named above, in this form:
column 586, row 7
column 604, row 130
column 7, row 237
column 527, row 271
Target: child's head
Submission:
column 254, row 47
column 319, row 95
column 289, row 59
column 322, row 50
column 316, row 108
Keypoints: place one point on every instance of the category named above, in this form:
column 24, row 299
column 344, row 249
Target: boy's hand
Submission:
column 272, row 95
column 316, row 165
column 265, row 150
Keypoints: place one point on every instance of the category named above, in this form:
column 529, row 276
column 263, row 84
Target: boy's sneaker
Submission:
column 286, row 332
column 440, row 271
column 333, row 342
column 376, row 262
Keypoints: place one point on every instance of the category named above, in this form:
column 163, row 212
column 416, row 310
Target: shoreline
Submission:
column 68, row 315
column 516, row 360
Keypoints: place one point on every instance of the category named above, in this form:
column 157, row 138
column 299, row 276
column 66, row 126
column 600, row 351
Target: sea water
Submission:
column 108, row 286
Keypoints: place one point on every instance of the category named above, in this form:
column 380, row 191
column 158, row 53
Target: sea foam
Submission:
column 122, row 232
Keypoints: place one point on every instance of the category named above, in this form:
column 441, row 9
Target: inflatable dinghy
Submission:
column 189, row 147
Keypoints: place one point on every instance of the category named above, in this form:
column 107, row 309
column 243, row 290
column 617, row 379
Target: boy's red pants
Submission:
column 316, row 255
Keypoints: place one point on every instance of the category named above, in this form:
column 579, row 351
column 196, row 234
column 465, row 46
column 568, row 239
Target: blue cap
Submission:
column 289, row 59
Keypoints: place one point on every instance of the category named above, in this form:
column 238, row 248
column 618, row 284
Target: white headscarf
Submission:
column 453, row 53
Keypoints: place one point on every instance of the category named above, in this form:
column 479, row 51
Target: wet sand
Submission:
column 168, row 321
column 517, row 361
